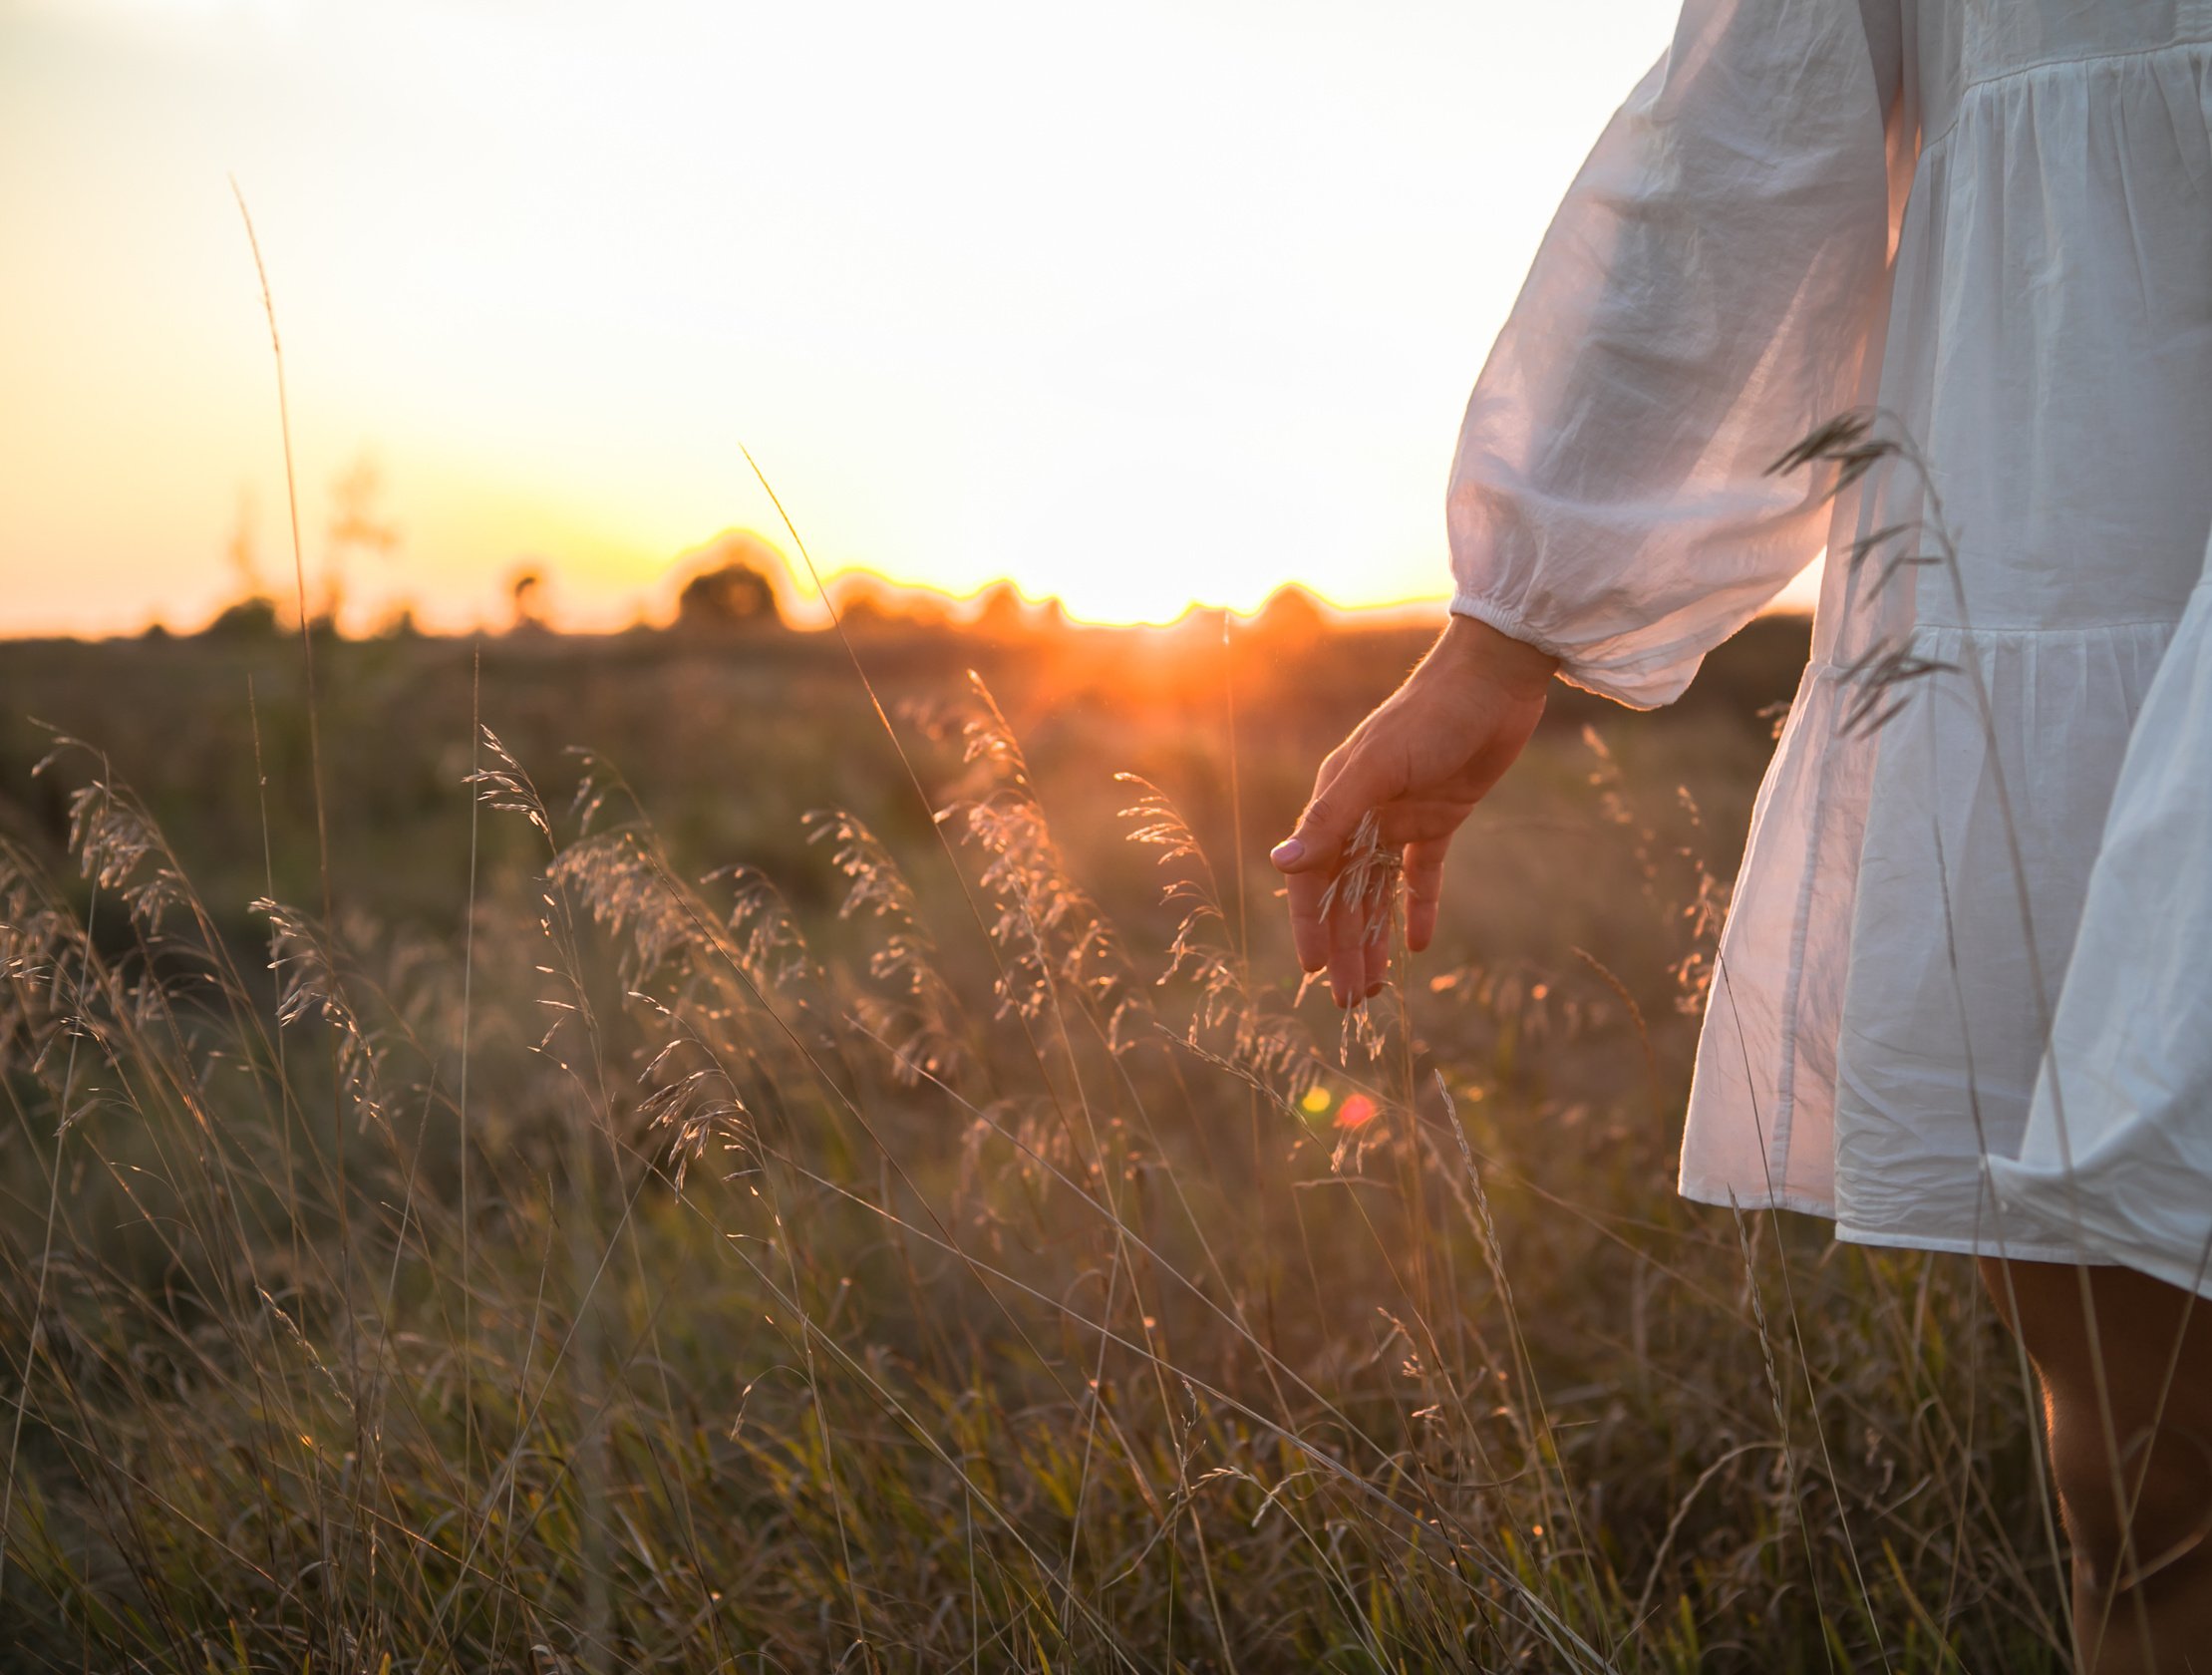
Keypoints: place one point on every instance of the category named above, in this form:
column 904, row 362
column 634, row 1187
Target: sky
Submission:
column 1140, row 305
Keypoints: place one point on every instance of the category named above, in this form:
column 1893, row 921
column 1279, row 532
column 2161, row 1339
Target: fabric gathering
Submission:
column 1964, row 1000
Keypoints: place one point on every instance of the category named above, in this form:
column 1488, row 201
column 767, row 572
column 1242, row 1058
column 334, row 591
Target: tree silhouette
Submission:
column 527, row 596
column 999, row 611
column 357, row 524
column 1290, row 617
column 731, row 595
column 251, row 618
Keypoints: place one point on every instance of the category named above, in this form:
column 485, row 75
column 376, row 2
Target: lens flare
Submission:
column 1358, row 1112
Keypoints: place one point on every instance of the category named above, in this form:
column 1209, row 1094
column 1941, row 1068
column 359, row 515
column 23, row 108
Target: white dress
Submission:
column 1991, row 220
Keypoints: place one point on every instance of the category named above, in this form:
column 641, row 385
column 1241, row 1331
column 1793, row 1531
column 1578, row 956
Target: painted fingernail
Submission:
column 1287, row 852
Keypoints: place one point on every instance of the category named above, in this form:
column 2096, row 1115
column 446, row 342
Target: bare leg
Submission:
column 2126, row 1368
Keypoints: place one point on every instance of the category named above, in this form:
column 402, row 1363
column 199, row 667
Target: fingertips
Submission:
column 1424, row 874
column 1304, row 851
column 1421, row 924
column 1376, row 965
column 1342, row 978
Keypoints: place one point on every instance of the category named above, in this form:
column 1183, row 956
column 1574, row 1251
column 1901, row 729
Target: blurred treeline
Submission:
column 729, row 732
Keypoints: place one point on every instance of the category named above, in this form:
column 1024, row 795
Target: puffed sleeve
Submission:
column 1702, row 300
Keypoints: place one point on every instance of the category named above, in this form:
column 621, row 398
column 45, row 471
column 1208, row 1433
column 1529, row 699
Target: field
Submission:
column 657, row 1165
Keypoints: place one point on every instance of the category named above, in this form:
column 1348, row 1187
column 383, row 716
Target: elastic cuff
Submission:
column 1510, row 625
column 1642, row 683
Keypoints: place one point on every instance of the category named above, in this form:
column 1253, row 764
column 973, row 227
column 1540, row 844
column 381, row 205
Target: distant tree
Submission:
column 240, row 549
column 357, row 524
column 734, row 580
column 527, row 596
column 731, row 595
column 254, row 615
column 864, row 597
column 251, row 618
column 925, row 607
column 999, row 611
column 862, row 604
column 1292, row 616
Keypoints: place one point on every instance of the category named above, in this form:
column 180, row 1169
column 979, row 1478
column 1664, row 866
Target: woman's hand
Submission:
column 1422, row 761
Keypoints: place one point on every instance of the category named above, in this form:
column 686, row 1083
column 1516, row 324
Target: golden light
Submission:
column 1144, row 312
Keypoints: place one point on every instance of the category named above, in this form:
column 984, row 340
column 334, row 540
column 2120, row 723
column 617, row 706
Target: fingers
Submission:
column 1368, row 772
column 1347, row 944
column 1359, row 949
column 1349, row 785
column 1425, row 877
column 1342, row 939
column 1377, row 944
column 1309, row 855
column 1309, row 934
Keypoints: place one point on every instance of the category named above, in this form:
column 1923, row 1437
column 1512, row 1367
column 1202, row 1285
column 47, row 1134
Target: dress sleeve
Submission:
column 1702, row 300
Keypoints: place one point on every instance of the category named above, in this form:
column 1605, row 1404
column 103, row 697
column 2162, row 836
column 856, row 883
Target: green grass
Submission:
column 912, row 1248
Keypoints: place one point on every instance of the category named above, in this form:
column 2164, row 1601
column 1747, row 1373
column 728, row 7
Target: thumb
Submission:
column 1331, row 818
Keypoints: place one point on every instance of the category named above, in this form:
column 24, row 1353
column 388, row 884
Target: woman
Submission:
column 1957, row 1008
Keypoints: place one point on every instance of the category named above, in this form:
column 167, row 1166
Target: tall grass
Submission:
column 864, row 1283
column 670, row 1269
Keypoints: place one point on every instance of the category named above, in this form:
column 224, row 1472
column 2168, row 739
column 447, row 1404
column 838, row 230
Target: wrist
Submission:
column 1471, row 644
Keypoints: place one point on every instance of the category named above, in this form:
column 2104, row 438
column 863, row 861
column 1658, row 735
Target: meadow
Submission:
column 764, row 1152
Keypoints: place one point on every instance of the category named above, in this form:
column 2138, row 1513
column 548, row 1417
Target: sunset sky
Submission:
column 1138, row 305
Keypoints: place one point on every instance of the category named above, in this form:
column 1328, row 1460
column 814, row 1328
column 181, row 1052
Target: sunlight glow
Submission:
column 1170, row 304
